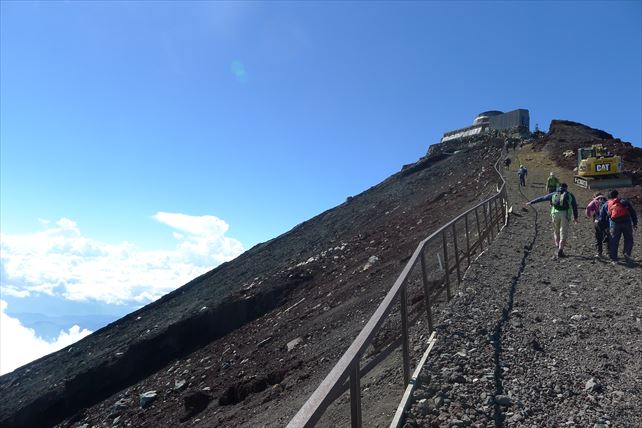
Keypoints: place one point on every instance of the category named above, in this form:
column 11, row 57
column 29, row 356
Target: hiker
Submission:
column 600, row 222
column 552, row 183
column 522, row 172
column 507, row 163
column 562, row 202
column 622, row 219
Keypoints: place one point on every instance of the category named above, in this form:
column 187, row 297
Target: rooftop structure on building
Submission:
column 491, row 120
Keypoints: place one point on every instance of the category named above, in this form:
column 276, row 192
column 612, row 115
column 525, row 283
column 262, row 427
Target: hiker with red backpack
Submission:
column 601, row 225
column 622, row 219
column 562, row 204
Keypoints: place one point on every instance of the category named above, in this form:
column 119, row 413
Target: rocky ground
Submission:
column 565, row 137
column 535, row 342
column 247, row 343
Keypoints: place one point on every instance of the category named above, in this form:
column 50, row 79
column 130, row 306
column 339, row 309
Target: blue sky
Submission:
column 146, row 142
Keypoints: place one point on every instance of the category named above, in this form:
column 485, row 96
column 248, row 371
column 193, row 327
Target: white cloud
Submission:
column 60, row 261
column 13, row 291
column 19, row 345
column 194, row 225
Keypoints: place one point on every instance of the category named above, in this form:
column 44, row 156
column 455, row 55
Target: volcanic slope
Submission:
column 566, row 137
column 247, row 342
column 533, row 341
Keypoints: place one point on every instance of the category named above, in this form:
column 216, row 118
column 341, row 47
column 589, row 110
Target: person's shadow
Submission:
column 635, row 264
column 631, row 263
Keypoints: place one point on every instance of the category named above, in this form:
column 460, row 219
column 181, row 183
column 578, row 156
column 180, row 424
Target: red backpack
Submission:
column 617, row 210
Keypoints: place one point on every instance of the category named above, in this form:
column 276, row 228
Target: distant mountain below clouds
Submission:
column 56, row 306
column 49, row 327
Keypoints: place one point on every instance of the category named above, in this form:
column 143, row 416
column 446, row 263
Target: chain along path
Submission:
column 533, row 342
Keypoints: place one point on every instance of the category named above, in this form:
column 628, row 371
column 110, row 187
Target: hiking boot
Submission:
column 560, row 253
column 598, row 255
column 627, row 258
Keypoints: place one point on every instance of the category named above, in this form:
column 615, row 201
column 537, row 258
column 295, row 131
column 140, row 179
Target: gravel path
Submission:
column 534, row 342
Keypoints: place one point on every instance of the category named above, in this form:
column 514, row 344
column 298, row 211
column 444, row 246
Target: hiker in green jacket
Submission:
column 563, row 206
column 552, row 183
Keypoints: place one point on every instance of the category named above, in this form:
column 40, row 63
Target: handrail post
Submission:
column 491, row 225
column 355, row 396
column 479, row 235
column 456, row 254
column 506, row 208
column 426, row 290
column 443, row 236
column 467, row 239
column 491, row 214
column 404, row 330
column 491, row 211
column 486, row 228
column 498, row 213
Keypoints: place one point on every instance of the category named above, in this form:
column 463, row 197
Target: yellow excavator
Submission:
column 597, row 168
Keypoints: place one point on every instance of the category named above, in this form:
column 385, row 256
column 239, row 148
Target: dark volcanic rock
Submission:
column 195, row 402
column 564, row 135
column 575, row 131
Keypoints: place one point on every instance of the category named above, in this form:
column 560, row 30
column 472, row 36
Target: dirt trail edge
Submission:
column 530, row 341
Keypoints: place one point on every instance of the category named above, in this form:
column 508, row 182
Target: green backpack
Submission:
column 559, row 201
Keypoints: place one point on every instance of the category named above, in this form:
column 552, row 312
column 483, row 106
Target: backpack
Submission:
column 552, row 182
column 559, row 201
column 602, row 220
column 617, row 210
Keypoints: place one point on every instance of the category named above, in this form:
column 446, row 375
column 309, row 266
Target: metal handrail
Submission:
column 349, row 363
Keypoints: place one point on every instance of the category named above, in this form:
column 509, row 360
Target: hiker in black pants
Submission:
column 507, row 163
column 593, row 210
column 622, row 220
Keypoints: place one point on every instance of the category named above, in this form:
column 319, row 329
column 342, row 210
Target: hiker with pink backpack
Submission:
column 622, row 219
column 601, row 225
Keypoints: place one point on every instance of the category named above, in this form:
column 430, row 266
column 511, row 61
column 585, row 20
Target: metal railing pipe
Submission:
column 348, row 365
column 456, row 254
column 312, row 410
column 479, row 234
column 486, row 228
column 403, row 300
column 424, row 277
column 447, row 269
column 467, row 240
column 355, row 396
